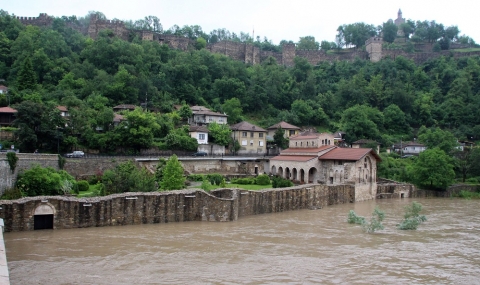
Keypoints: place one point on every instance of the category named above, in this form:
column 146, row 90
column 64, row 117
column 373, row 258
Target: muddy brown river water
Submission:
column 296, row 247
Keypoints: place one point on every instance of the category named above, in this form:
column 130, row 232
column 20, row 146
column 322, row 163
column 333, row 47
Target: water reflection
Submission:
column 297, row 247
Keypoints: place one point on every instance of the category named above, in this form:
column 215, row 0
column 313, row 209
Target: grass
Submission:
column 466, row 49
column 242, row 186
column 468, row 195
column 89, row 192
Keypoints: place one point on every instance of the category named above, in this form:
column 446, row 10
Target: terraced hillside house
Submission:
column 252, row 139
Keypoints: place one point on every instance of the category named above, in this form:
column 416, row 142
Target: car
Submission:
column 200, row 153
column 77, row 153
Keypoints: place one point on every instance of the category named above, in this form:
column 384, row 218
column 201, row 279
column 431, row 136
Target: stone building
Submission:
column 252, row 139
column 289, row 130
column 313, row 158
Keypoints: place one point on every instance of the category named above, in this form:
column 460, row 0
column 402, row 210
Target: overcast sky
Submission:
column 277, row 20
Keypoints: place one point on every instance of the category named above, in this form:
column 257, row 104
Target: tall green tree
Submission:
column 173, row 178
column 433, row 169
column 26, row 77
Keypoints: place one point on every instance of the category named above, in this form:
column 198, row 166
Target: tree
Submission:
column 389, row 31
column 233, row 108
column 185, row 112
column 467, row 161
column 126, row 177
column 26, row 77
column 412, row 217
column 38, row 181
column 361, row 122
column 220, row 133
column 308, row 42
column 433, row 169
column 173, row 178
column 137, row 130
column 279, row 138
column 436, row 137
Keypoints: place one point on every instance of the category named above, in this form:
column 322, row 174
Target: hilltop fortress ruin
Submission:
column 251, row 54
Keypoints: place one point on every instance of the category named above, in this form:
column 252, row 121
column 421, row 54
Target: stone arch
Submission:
column 312, row 175
column 302, row 175
column 330, row 176
column 43, row 216
column 294, row 174
column 280, row 171
column 288, row 174
column 273, row 171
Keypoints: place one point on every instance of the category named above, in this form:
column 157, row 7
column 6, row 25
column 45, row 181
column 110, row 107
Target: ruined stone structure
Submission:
column 374, row 48
column 43, row 20
column 59, row 212
column 96, row 25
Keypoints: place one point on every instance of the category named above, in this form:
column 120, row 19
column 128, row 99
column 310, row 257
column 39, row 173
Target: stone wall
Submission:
column 43, row 20
column 167, row 207
column 25, row 161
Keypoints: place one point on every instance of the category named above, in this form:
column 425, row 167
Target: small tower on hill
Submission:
column 374, row 48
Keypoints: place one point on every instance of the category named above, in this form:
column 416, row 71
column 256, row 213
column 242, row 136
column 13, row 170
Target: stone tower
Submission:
column 374, row 48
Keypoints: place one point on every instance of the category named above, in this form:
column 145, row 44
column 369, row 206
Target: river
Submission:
column 296, row 247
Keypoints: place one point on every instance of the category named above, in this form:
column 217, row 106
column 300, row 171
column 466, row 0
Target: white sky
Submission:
column 277, row 20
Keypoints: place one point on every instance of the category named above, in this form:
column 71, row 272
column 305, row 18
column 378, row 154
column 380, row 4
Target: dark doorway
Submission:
column 256, row 170
column 43, row 222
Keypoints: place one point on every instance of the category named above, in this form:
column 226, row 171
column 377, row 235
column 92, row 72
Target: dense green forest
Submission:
column 387, row 101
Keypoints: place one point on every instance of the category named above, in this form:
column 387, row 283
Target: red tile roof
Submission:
column 62, row 108
column 125, row 107
column 200, row 129
column 283, row 125
column 7, row 110
column 307, row 150
column 352, row 154
column 301, row 158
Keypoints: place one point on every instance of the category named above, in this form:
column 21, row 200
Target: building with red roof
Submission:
column 7, row 116
column 322, row 162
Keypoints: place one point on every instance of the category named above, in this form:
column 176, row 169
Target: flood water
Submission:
column 296, row 247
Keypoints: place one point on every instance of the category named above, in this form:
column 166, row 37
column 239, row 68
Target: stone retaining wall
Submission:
column 166, row 207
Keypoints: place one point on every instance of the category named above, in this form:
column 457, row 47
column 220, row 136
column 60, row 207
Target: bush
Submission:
column 243, row 181
column 353, row 218
column 205, row 185
column 38, row 181
column 472, row 180
column 215, row 178
column 83, row 185
column 196, row 177
column 262, row 179
column 126, row 177
column 279, row 182
column 12, row 194
column 412, row 217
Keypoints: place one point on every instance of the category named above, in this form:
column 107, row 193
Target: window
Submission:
column 260, row 135
column 244, row 134
column 291, row 132
column 252, row 134
column 201, row 136
column 307, row 143
column 210, row 120
column 260, row 143
column 251, row 142
column 244, row 142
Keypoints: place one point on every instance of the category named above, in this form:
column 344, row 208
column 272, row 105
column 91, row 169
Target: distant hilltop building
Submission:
column 246, row 52
column 399, row 21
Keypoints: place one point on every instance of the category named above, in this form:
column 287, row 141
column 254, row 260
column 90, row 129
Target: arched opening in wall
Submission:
column 295, row 174
column 274, row 170
column 43, row 217
column 312, row 173
column 288, row 175
column 280, row 172
column 302, row 175
column 330, row 176
column 256, row 169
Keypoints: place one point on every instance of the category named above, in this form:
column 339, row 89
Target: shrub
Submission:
column 12, row 160
column 262, row 179
column 279, row 182
column 126, row 177
column 412, row 217
column 83, row 185
column 61, row 161
column 215, row 178
column 43, row 181
column 243, row 181
column 196, row 177
column 354, row 219
column 375, row 221
column 205, row 185
column 12, row 194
